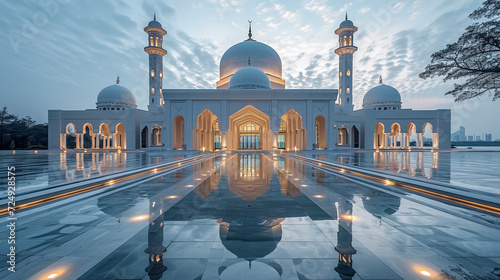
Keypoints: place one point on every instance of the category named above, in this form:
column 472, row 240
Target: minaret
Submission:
column 156, row 53
column 345, row 51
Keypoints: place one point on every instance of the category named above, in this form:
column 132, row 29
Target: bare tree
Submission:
column 474, row 59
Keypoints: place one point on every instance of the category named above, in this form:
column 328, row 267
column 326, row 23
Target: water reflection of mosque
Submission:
column 425, row 164
column 83, row 165
column 250, row 218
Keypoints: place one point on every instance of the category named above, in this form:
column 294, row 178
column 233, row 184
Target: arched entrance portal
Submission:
column 355, row 137
column 250, row 135
column 178, row 132
column 203, row 134
column 295, row 136
column 249, row 128
column 121, row 139
column 320, row 133
column 379, row 135
column 144, row 137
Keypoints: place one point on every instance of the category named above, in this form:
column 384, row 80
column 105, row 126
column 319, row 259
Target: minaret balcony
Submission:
column 346, row 49
column 155, row 50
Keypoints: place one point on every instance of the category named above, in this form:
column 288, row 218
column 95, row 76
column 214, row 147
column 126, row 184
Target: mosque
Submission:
column 250, row 109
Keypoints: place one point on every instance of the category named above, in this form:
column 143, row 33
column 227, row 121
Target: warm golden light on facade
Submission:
column 172, row 196
column 52, row 276
column 304, row 186
column 189, row 186
column 348, row 72
column 152, row 73
column 318, row 196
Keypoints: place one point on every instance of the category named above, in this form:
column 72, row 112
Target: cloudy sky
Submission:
column 60, row 54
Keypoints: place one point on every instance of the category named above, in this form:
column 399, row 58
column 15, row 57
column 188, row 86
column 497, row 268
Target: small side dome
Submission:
column 382, row 96
column 346, row 22
column 116, row 97
column 154, row 23
column 249, row 77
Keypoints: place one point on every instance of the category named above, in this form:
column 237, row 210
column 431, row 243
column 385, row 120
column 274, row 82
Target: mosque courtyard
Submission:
column 419, row 214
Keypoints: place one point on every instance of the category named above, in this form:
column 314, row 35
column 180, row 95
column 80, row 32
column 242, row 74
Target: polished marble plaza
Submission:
column 259, row 215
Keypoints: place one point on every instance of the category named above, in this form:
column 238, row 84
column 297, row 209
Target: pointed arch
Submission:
column 379, row 136
column 343, row 136
column 120, row 137
column 144, row 137
column 355, row 137
column 296, row 133
column 249, row 115
column 179, row 132
column 203, row 139
column 320, row 132
column 156, row 135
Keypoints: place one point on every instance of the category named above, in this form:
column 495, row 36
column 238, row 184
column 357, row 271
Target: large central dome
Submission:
column 261, row 55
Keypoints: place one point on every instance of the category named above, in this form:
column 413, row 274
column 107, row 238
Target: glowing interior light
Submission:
column 14, row 152
column 111, row 182
column 155, row 170
column 303, row 186
column 172, row 196
column 139, row 218
column 349, row 217
column 342, row 170
column 318, row 196
column 426, row 273
column 387, row 182
column 36, row 152
column 189, row 186
column 52, row 276
column 296, row 179
column 198, row 179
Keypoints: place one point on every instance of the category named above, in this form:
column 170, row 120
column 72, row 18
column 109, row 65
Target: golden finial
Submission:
column 154, row 17
column 380, row 79
column 117, row 79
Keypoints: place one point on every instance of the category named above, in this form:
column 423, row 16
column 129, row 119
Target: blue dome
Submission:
column 346, row 23
column 249, row 78
column 154, row 23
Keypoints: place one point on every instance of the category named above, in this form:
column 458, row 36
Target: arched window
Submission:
column 161, row 74
column 340, row 101
column 340, row 73
column 156, row 41
column 152, row 73
column 350, row 40
column 348, row 72
column 345, row 40
column 151, row 40
column 282, row 135
column 348, row 90
column 152, row 90
column 385, row 108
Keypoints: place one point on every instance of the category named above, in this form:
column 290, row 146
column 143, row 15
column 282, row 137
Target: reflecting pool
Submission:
column 254, row 216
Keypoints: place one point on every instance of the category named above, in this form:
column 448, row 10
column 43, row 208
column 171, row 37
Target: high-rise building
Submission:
column 478, row 137
column 487, row 137
column 470, row 138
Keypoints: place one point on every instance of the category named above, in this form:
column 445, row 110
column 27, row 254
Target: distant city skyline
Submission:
column 60, row 54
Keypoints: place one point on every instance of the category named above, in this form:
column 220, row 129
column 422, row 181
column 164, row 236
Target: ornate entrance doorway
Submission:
column 250, row 135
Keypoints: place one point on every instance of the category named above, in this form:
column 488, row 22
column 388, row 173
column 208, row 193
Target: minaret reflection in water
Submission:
column 344, row 240
column 155, row 248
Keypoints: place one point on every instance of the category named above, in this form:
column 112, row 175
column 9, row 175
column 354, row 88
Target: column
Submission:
column 77, row 135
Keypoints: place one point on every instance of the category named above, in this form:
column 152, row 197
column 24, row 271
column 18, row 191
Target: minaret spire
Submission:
column 249, row 63
column 345, row 15
column 154, row 17
column 380, row 79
